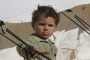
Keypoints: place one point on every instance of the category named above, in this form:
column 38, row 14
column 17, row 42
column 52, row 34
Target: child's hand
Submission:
column 31, row 50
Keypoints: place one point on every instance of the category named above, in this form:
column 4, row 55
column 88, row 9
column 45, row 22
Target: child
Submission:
column 44, row 21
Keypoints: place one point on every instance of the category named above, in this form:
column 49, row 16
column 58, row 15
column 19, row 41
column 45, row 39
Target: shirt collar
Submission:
column 41, row 39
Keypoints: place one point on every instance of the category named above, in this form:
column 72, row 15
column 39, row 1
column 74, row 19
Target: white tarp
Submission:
column 17, row 11
column 66, row 42
column 83, row 47
column 10, row 54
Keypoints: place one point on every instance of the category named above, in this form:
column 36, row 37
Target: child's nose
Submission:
column 46, row 27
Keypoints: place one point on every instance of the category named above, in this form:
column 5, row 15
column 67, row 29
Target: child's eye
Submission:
column 42, row 24
column 50, row 25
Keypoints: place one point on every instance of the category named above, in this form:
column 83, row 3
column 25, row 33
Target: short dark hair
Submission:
column 47, row 11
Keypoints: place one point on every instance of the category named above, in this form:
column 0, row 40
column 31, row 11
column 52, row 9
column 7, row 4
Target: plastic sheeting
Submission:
column 83, row 47
column 10, row 54
column 66, row 42
column 17, row 11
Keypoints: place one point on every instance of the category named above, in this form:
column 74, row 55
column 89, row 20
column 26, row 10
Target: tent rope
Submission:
column 75, row 23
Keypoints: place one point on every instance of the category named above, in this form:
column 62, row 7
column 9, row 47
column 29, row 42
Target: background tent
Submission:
column 81, row 11
column 17, row 11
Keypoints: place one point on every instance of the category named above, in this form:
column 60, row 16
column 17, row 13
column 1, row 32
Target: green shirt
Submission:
column 44, row 46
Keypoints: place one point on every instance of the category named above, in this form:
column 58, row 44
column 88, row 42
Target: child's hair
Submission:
column 46, row 11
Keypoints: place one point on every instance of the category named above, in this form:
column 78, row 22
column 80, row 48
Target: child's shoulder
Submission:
column 32, row 38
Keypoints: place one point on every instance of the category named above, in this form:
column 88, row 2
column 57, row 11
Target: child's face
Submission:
column 44, row 27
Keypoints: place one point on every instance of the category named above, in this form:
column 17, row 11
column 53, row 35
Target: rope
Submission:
column 75, row 23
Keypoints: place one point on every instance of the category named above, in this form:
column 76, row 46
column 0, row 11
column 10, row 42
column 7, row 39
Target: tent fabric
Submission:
column 22, row 30
column 17, row 11
column 69, row 39
column 83, row 48
column 10, row 54
column 66, row 44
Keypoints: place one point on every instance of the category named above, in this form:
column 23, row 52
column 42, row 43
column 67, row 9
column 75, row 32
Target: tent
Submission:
column 20, row 11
